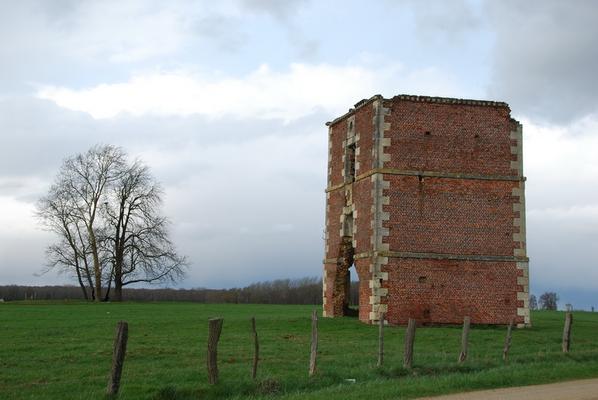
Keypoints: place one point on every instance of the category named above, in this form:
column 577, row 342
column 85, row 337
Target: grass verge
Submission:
column 64, row 350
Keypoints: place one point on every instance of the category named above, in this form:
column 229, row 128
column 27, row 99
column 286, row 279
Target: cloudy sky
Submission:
column 226, row 102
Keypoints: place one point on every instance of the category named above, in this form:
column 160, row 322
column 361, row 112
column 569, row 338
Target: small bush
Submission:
column 268, row 387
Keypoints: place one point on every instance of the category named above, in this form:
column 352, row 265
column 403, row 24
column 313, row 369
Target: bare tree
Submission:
column 137, row 239
column 548, row 301
column 105, row 213
column 71, row 253
column 533, row 302
column 82, row 181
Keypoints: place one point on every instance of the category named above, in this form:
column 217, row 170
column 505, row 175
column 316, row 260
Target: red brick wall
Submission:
column 363, row 271
column 463, row 138
column 440, row 215
column 454, row 216
column 364, row 126
column 329, row 281
column 362, row 197
column 444, row 291
column 361, row 193
column 335, row 203
column 335, row 162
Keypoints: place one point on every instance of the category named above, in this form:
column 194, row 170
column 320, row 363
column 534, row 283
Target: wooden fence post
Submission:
column 409, row 338
column 118, row 357
column 464, row 339
column 381, row 340
column 567, row 332
column 256, row 348
column 505, row 351
column 214, row 330
column 314, row 343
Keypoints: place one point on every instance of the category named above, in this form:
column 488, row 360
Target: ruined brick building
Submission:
column 426, row 200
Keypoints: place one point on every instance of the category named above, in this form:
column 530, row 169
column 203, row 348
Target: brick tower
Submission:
column 426, row 199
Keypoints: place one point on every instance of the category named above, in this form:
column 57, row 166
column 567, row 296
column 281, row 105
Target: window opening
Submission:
column 348, row 225
column 350, row 160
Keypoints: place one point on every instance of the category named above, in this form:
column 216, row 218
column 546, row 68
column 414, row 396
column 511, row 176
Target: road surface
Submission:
column 586, row 389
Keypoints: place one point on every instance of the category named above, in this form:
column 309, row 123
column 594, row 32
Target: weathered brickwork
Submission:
column 454, row 138
column 439, row 215
column 426, row 198
column 445, row 291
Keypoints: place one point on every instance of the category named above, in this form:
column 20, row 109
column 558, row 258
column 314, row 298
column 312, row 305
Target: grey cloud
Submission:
column 543, row 59
column 42, row 41
column 439, row 20
column 278, row 9
column 285, row 12
column 223, row 30
column 10, row 187
column 233, row 188
column 546, row 57
column 307, row 49
column 561, row 250
column 36, row 135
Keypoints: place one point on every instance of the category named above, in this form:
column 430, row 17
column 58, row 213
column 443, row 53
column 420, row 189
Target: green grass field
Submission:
column 64, row 350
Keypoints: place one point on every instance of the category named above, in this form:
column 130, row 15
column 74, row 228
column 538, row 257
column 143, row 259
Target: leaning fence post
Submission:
column 256, row 349
column 214, row 330
column 567, row 332
column 464, row 339
column 505, row 351
column 381, row 340
column 314, row 343
column 409, row 338
column 118, row 357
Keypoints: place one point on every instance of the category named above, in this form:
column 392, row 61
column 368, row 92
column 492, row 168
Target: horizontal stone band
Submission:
column 433, row 256
column 429, row 174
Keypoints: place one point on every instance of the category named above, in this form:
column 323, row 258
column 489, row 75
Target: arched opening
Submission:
column 346, row 284
column 342, row 280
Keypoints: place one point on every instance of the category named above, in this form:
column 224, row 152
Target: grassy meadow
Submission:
column 64, row 350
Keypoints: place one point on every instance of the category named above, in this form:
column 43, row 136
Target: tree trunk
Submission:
column 118, row 357
column 107, row 295
column 214, row 330
column 409, row 339
column 80, row 279
column 97, row 272
column 89, row 281
column 84, row 290
column 118, row 292
column 118, row 269
column 464, row 339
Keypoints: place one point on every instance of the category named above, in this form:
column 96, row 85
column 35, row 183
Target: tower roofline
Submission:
column 421, row 99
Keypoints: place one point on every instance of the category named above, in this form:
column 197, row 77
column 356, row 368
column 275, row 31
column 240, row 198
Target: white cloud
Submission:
column 16, row 217
column 113, row 31
column 562, row 203
column 21, row 244
column 264, row 93
column 561, row 163
column 545, row 57
column 126, row 31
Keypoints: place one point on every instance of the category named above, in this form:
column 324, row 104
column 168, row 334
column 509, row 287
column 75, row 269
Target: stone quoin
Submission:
column 426, row 199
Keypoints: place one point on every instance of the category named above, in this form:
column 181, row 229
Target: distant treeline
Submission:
column 282, row 291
